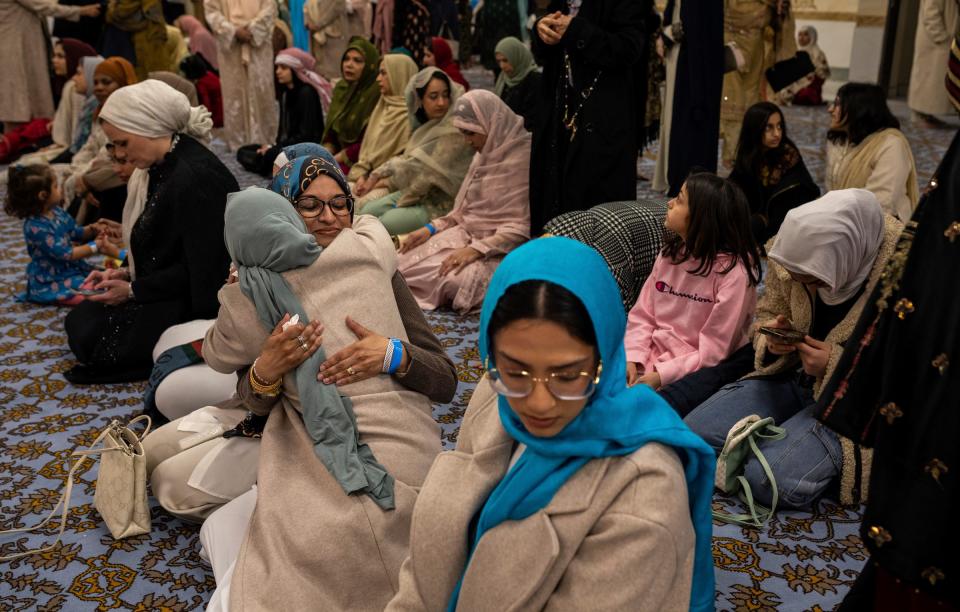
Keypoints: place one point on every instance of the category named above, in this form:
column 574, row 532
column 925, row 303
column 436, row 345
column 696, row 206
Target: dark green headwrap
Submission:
column 265, row 237
column 353, row 103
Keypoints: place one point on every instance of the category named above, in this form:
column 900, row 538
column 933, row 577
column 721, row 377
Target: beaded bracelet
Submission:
column 263, row 388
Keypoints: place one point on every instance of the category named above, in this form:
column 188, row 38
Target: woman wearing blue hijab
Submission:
column 567, row 490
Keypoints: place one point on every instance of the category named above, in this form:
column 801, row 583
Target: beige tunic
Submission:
column 250, row 113
column 24, row 74
column 938, row 22
column 616, row 536
column 309, row 545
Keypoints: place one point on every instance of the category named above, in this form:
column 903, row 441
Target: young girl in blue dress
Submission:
column 57, row 267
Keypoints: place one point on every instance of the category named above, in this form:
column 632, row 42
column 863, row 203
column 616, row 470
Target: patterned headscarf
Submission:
column 294, row 151
column 353, row 103
column 302, row 63
column 296, row 175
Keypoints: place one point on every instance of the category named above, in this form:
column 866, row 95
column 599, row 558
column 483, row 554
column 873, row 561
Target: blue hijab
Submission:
column 616, row 421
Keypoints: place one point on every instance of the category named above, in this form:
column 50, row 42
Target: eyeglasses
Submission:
column 310, row 207
column 562, row 385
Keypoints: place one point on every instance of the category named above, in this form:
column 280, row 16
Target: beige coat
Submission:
column 310, row 546
column 784, row 296
column 24, row 74
column 937, row 23
column 616, row 536
column 882, row 164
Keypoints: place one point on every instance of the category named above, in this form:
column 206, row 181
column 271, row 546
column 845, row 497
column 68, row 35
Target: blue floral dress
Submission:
column 51, row 274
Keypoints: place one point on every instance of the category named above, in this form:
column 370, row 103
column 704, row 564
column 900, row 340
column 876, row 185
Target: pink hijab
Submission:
column 201, row 40
column 302, row 63
column 495, row 195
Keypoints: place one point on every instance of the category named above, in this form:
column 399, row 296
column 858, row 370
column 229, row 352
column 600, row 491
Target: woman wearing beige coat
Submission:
column 562, row 475
column 339, row 471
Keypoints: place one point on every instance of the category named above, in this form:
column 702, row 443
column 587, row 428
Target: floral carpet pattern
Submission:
column 802, row 561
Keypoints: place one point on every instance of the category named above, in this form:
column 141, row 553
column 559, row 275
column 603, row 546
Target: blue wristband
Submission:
column 397, row 355
column 431, row 228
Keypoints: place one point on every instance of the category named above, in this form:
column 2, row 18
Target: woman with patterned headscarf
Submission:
column 354, row 98
column 424, row 180
column 349, row 448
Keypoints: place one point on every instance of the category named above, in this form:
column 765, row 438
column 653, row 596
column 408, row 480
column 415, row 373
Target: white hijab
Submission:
column 151, row 109
column 835, row 239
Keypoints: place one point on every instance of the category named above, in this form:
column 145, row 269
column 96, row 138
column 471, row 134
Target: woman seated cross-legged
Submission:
column 451, row 259
column 341, row 458
column 824, row 263
column 192, row 479
column 567, row 490
column 425, row 178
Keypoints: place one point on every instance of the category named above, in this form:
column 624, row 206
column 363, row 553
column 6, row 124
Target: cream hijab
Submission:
column 835, row 239
column 152, row 109
column 388, row 129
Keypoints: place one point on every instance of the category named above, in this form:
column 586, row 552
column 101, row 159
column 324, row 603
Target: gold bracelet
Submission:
column 262, row 388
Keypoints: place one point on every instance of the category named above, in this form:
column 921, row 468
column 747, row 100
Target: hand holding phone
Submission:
column 782, row 335
column 89, row 292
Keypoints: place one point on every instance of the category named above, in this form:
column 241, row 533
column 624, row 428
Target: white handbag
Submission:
column 121, row 490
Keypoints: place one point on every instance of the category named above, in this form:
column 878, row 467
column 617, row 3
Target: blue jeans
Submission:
column 804, row 463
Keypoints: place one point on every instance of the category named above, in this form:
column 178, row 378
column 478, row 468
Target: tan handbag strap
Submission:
column 64, row 501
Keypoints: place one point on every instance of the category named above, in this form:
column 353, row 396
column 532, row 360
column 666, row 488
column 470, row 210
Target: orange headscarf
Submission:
column 118, row 69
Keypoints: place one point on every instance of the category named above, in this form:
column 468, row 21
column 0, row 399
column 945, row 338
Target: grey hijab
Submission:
column 265, row 237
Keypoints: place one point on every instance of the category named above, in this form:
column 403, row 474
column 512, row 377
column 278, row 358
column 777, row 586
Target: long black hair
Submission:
column 439, row 75
column 540, row 299
column 863, row 110
column 751, row 154
column 719, row 224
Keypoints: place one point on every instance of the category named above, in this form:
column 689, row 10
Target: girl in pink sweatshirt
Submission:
column 697, row 305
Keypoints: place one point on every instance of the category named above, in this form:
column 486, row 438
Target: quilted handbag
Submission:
column 741, row 443
column 121, row 490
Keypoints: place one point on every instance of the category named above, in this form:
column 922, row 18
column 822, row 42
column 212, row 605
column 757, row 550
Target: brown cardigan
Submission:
column 784, row 296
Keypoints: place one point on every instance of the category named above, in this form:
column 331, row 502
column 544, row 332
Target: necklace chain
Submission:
column 570, row 120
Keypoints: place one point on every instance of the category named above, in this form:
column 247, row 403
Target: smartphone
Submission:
column 786, row 336
column 89, row 292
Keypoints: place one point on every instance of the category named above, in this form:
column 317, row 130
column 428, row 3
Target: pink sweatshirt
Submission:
column 683, row 322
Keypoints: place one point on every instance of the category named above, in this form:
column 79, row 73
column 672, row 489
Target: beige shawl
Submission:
column 858, row 164
column 388, row 129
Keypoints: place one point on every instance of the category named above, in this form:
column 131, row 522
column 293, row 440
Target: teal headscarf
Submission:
column 616, row 421
column 266, row 237
column 520, row 57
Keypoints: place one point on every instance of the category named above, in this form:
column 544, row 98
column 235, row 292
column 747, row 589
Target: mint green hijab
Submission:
column 266, row 237
column 520, row 57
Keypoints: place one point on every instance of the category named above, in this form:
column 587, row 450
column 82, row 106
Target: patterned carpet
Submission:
column 801, row 562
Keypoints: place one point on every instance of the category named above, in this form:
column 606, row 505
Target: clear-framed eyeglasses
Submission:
column 310, row 207
column 562, row 385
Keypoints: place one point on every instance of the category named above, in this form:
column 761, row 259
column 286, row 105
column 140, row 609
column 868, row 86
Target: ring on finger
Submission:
column 351, row 371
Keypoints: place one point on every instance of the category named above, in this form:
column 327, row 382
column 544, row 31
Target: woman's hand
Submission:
column 364, row 358
column 415, row 239
column 779, row 348
column 117, row 292
column 283, row 350
column 90, row 10
column 111, row 228
column 633, row 373
column 365, row 185
column 96, row 277
column 243, row 34
column 341, row 157
column 552, row 27
column 233, row 275
column 458, row 260
column 262, row 149
column 651, row 379
column 814, row 355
